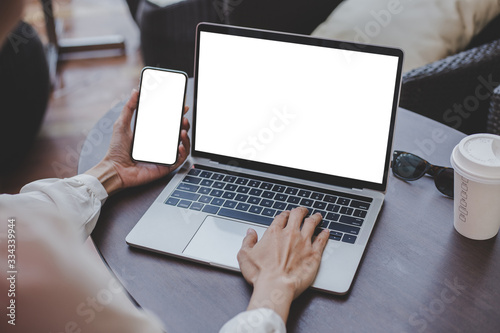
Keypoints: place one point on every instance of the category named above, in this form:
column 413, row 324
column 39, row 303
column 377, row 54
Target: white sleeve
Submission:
column 56, row 285
column 77, row 199
column 262, row 320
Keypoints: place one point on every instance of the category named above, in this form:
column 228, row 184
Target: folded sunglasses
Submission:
column 408, row 167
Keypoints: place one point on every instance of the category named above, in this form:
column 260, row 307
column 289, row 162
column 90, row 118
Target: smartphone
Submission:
column 159, row 114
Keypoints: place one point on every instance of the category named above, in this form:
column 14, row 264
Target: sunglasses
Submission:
column 407, row 166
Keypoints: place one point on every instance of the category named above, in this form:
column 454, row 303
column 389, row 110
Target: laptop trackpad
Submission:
column 218, row 241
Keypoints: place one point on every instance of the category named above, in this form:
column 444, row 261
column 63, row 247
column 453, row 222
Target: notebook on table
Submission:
column 280, row 121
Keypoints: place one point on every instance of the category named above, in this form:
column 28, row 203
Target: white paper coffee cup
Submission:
column 476, row 161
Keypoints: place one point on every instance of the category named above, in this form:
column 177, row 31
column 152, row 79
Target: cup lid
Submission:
column 477, row 156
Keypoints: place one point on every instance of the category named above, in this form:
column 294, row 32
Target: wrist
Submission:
column 106, row 173
column 274, row 293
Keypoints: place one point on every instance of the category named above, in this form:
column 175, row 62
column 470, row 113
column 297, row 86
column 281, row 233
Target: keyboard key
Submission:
column 216, row 193
column 188, row 187
column 291, row 190
column 335, row 236
column 243, row 206
column 304, row 193
column 332, row 216
column 266, row 203
column 205, row 199
column 330, row 198
column 210, row 209
column 346, row 210
column 317, row 231
column 185, row 195
column 317, row 196
column 241, row 181
column 255, row 192
column 243, row 189
column 196, row 206
column 293, row 200
column 254, row 183
column 266, row 186
column 217, row 176
column 219, row 185
column 280, row 197
column 268, row 194
column 322, row 212
column 349, row 238
column 204, row 190
column 360, row 204
column 245, row 216
column 291, row 206
column 255, row 209
column 230, row 179
column 206, row 174
column 343, row 201
column 253, row 200
column 279, row 205
column 319, row 205
column 359, row 213
column 306, row 202
column 333, row 208
column 279, row 188
column 324, row 224
column 191, row 180
column 230, row 187
column 344, row 228
column 241, row 197
column 336, row 233
column 351, row 220
column 194, row 172
column 172, row 201
column 217, row 202
column 184, row 204
column 230, row 204
column 229, row 195
column 268, row 212
column 206, row 182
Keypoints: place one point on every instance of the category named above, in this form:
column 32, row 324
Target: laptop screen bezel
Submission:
column 308, row 40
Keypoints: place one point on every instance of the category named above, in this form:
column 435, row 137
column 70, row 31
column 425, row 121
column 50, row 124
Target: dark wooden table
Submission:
column 418, row 274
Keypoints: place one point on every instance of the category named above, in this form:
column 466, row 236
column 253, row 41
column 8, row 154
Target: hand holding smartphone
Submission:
column 159, row 116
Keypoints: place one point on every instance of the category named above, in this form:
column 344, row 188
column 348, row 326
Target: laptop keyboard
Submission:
column 259, row 200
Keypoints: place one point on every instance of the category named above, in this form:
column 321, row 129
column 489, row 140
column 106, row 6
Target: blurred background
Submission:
column 451, row 71
column 86, row 85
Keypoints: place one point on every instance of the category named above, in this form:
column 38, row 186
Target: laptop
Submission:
column 279, row 121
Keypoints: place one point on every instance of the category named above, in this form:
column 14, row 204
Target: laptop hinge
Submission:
column 357, row 189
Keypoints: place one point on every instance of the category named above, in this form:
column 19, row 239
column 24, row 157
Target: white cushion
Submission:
column 426, row 30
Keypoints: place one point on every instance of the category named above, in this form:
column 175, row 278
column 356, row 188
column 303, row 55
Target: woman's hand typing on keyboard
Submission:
column 284, row 262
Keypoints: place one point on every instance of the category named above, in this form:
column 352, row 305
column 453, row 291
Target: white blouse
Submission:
column 53, row 284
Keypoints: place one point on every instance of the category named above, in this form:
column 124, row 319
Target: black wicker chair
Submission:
column 493, row 125
column 455, row 91
column 459, row 90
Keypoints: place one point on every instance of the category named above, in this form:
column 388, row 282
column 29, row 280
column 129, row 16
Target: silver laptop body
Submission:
column 274, row 111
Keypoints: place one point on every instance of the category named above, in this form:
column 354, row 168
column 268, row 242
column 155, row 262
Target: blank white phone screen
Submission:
column 159, row 114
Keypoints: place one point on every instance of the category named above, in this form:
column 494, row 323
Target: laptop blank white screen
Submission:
column 306, row 107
